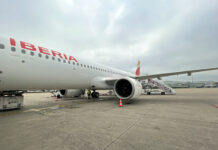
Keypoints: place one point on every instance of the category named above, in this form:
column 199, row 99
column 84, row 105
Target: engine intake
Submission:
column 127, row 88
column 123, row 88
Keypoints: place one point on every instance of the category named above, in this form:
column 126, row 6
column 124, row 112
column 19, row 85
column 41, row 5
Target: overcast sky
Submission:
column 166, row 35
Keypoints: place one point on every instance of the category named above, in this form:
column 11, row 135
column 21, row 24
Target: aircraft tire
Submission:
column 162, row 93
column 95, row 95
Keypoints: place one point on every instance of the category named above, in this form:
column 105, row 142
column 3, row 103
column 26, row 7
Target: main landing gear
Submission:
column 95, row 94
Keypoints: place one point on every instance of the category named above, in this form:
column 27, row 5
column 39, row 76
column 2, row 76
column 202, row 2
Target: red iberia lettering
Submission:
column 13, row 42
column 44, row 50
column 27, row 46
column 72, row 58
column 54, row 53
column 65, row 56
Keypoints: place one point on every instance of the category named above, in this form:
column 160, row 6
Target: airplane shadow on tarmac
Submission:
column 155, row 100
column 172, row 101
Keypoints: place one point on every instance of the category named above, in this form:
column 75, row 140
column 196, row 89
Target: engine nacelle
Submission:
column 127, row 88
column 72, row 93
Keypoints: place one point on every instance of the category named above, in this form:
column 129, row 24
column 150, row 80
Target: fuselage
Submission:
column 26, row 66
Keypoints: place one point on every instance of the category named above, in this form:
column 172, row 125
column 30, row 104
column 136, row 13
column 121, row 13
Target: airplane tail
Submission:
column 137, row 73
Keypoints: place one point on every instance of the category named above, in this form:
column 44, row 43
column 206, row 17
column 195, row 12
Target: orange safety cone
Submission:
column 56, row 99
column 121, row 103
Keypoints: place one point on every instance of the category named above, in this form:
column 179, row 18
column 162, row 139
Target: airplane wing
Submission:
column 188, row 72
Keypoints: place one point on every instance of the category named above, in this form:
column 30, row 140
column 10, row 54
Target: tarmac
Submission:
column 185, row 121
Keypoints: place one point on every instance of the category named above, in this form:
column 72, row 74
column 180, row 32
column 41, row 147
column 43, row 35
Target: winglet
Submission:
column 137, row 73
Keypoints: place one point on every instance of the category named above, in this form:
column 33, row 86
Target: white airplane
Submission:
column 24, row 66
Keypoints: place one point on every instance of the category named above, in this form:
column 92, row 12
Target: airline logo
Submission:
column 137, row 73
column 42, row 50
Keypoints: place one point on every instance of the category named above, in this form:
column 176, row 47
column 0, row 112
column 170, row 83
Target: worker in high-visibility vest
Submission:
column 89, row 93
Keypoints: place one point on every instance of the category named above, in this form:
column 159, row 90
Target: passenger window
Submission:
column 40, row 55
column 13, row 49
column 32, row 53
column 87, row 66
column 68, row 62
column 46, row 56
column 23, row 51
column 77, row 64
column 84, row 65
column 64, row 61
column 53, row 58
column 59, row 59
column 73, row 63
column 81, row 65
column 2, row 46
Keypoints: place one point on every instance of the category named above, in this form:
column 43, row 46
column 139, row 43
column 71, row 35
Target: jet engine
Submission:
column 127, row 88
column 71, row 93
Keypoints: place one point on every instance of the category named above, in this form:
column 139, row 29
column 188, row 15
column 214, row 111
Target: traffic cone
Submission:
column 56, row 99
column 121, row 103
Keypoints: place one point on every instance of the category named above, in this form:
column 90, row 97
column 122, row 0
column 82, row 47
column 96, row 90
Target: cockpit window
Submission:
column 2, row 46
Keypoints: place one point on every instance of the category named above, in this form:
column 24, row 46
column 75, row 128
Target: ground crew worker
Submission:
column 89, row 93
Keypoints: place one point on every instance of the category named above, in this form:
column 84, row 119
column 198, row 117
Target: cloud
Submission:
column 113, row 18
column 165, row 35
